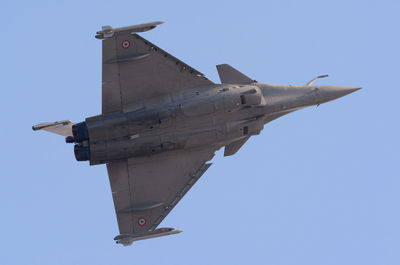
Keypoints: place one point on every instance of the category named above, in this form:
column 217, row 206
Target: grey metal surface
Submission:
column 147, row 188
column 229, row 75
column 232, row 148
column 63, row 128
column 108, row 31
column 136, row 71
column 162, row 121
column 128, row 239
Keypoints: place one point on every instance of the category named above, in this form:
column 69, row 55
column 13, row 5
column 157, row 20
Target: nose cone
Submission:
column 328, row 93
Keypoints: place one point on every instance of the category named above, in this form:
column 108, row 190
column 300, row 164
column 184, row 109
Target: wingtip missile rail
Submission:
column 108, row 31
column 128, row 239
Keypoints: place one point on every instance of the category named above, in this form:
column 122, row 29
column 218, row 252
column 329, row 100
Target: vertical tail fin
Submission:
column 63, row 128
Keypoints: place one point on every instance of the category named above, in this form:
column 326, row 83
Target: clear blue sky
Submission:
column 320, row 186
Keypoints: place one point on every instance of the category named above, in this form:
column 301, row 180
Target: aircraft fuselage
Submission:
column 214, row 116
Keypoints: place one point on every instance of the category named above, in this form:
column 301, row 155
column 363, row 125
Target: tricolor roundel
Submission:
column 141, row 221
column 125, row 44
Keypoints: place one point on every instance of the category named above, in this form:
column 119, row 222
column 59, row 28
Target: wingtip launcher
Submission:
column 128, row 239
column 108, row 31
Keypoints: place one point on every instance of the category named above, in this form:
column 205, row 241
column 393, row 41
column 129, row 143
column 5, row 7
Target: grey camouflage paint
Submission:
column 162, row 121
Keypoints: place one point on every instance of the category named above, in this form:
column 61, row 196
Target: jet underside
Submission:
column 213, row 116
column 162, row 122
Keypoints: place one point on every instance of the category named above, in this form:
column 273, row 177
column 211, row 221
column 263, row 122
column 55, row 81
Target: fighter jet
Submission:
column 162, row 121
